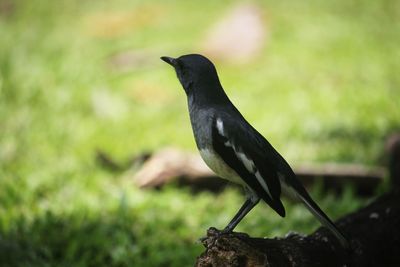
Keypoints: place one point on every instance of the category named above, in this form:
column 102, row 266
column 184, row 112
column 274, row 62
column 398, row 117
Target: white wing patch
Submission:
column 248, row 163
column 263, row 183
column 220, row 127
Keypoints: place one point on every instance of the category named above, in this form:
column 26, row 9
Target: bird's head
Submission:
column 194, row 71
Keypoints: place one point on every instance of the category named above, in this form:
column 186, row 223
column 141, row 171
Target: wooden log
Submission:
column 374, row 232
column 393, row 150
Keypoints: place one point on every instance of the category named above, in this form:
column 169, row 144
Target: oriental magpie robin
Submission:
column 233, row 149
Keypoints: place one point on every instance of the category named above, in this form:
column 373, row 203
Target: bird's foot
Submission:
column 213, row 234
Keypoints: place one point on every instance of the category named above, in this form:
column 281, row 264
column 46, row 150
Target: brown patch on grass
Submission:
column 238, row 36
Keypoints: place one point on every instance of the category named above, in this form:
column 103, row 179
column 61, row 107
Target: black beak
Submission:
column 170, row 60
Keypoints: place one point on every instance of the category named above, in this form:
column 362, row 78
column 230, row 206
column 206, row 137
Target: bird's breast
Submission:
column 217, row 165
column 201, row 120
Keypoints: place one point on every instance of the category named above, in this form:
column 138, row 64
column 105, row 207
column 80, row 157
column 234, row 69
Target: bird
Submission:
column 233, row 149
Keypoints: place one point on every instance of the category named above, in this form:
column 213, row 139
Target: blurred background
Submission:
column 319, row 79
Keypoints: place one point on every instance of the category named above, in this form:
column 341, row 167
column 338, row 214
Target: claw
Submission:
column 213, row 234
column 202, row 239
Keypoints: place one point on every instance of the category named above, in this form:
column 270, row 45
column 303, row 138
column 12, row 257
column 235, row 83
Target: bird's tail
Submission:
column 323, row 218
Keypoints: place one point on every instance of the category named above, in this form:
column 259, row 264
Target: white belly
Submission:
column 217, row 165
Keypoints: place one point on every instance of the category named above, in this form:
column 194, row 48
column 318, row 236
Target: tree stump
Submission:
column 374, row 232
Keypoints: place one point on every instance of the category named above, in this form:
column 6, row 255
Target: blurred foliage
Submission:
column 326, row 88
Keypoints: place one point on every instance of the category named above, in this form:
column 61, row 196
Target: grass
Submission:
column 325, row 88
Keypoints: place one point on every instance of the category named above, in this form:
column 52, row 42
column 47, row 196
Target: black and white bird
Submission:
column 233, row 149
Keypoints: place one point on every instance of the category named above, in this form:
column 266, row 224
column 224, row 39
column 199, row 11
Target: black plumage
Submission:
column 233, row 149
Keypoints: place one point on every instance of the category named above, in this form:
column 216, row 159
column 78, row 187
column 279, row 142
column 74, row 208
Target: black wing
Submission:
column 237, row 142
column 241, row 150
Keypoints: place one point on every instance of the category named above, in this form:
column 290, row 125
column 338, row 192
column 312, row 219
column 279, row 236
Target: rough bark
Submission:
column 393, row 150
column 374, row 232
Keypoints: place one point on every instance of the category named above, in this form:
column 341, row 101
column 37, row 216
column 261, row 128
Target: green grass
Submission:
column 325, row 88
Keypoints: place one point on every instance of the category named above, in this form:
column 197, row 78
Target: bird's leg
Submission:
column 213, row 234
column 248, row 205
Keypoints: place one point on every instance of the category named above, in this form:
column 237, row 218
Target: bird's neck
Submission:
column 205, row 95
